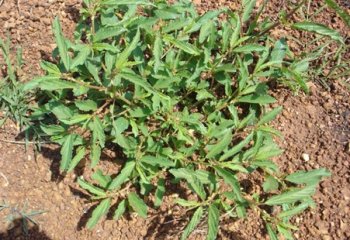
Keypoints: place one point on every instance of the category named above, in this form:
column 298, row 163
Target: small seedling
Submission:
column 16, row 212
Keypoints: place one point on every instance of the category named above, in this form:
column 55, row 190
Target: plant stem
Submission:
column 69, row 78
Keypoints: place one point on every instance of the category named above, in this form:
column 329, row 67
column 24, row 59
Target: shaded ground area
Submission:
column 317, row 125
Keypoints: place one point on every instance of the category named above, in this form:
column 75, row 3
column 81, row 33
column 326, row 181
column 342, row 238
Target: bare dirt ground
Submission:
column 317, row 124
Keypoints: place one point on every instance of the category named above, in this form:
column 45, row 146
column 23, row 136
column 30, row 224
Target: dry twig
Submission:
column 6, row 180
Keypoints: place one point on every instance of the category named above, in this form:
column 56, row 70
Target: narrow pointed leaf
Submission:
column 231, row 152
column 61, row 43
column 271, row 232
column 159, row 192
column 77, row 158
column 123, row 56
column 95, row 154
column 319, row 29
column 184, row 46
column 120, row 210
column 195, row 220
column 122, row 176
column 81, row 57
column 157, row 161
column 103, row 180
column 292, row 196
column 157, row 52
column 221, row 145
column 213, row 222
column 270, row 116
column 231, row 180
column 137, row 204
column 248, row 7
column 67, row 152
column 98, row 131
column 107, row 32
column 310, row 177
column 100, row 211
column 91, row 188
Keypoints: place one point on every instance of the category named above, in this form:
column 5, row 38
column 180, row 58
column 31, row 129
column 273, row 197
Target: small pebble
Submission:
column 305, row 157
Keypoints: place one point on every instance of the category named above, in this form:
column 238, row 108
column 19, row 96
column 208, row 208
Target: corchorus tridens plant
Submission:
column 183, row 97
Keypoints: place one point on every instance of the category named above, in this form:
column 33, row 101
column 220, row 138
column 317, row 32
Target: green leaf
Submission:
column 137, row 80
column 81, row 57
column 95, row 154
column 184, row 46
column 205, row 31
column 77, row 158
column 237, row 30
column 50, row 68
column 61, row 43
column 292, row 196
column 196, row 218
column 319, row 29
column 310, row 177
column 270, row 184
column 231, row 152
column 52, row 129
column 122, row 176
column 279, row 51
column 120, row 210
column 249, row 48
column 67, row 152
column 137, row 204
column 121, row 124
column 100, row 211
column 107, row 32
column 209, row 15
column 295, row 76
column 157, row 52
column 157, row 161
column 122, row 58
column 235, row 167
column 77, row 118
column 103, row 180
column 271, row 232
column 113, row 3
column 91, row 188
column 220, row 146
column 270, row 116
column 53, row 83
column 186, row 203
column 231, row 180
column 86, row 105
column 61, row 111
column 98, row 131
column 340, row 11
column 191, row 178
column 241, row 211
column 285, row 232
column 258, row 99
column 213, row 222
column 248, row 7
column 159, row 192
column 294, row 211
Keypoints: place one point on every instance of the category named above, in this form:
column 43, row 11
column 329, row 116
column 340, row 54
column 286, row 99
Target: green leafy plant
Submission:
column 17, row 212
column 184, row 99
column 327, row 58
column 13, row 100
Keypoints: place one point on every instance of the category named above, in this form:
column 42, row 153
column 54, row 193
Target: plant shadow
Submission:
column 18, row 232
